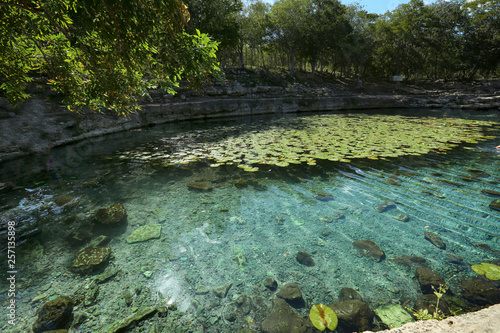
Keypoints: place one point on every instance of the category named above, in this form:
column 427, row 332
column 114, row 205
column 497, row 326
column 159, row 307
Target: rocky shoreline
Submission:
column 40, row 125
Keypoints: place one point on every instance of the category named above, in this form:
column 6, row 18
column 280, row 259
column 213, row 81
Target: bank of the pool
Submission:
column 483, row 321
column 38, row 125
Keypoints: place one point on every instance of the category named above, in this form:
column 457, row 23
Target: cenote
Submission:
column 207, row 223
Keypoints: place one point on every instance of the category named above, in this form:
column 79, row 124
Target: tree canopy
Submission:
column 101, row 54
column 106, row 54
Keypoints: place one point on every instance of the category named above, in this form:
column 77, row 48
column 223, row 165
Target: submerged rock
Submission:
column 384, row 206
column 305, row 258
column 292, row 294
column 410, row 261
column 369, row 249
column 491, row 192
column 144, row 233
column 282, row 319
column 271, row 284
column 495, row 204
column 241, row 260
column 200, row 186
column 481, row 291
column 113, row 214
column 429, row 279
column 403, row 217
column 393, row 315
column 454, row 259
column 55, row 314
column 428, row 302
column 353, row 315
column 323, row 197
column 140, row 314
column 435, row 239
column 222, row 291
column 78, row 237
column 65, row 200
column 90, row 259
column 349, row 294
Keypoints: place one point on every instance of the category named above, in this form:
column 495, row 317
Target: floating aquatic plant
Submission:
column 323, row 317
column 491, row 271
column 309, row 139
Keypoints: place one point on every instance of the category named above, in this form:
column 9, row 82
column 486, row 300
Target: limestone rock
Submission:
column 78, row 237
column 348, row 294
column 100, row 240
column 282, row 319
column 292, row 294
column 305, row 258
column 144, row 233
column 221, row 292
column 481, row 291
column 428, row 279
column 271, row 284
column 393, row 315
column 384, row 206
column 323, row 197
column 454, row 259
column 113, row 214
column 369, row 249
column 353, row 315
column 410, row 261
column 495, row 204
column 435, row 239
column 200, row 186
column 490, row 192
column 90, row 259
column 140, row 314
column 65, row 200
column 55, row 314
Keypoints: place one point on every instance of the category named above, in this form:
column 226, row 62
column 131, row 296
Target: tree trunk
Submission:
column 242, row 59
column 292, row 61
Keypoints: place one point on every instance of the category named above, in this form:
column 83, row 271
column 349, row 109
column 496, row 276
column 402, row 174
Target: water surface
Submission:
column 247, row 227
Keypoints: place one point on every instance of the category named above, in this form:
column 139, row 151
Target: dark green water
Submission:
column 247, row 227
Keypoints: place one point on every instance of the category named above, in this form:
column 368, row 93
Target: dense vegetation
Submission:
column 457, row 39
column 106, row 54
column 100, row 54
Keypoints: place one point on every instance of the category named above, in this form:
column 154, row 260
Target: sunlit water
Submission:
column 243, row 234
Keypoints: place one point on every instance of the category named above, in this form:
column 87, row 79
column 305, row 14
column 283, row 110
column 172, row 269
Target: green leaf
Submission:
column 323, row 317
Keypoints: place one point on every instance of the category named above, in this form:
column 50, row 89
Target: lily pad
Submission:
column 323, row 317
column 491, row 271
column 310, row 139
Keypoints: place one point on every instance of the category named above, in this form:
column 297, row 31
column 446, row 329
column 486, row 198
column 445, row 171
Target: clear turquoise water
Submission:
column 268, row 222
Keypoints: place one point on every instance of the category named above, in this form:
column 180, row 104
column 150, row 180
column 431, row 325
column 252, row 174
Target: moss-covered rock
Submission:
column 90, row 259
column 55, row 314
column 144, row 233
column 113, row 214
column 393, row 315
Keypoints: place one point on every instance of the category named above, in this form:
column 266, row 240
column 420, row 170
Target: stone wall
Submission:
column 39, row 125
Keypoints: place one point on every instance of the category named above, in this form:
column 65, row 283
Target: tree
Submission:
column 255, row 26
column 100, row 54
column 289, row 20
column 218, row 19
column 481, row 37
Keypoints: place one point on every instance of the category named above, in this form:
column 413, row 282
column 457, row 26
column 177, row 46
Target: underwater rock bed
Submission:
column 196, row 247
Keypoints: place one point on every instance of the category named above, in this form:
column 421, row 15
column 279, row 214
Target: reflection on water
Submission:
column 224, row 231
